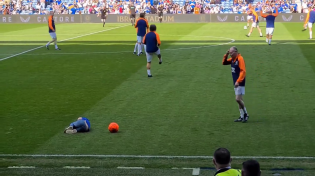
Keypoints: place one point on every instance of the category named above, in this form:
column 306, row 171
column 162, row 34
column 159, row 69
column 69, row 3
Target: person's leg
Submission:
column 77, row 126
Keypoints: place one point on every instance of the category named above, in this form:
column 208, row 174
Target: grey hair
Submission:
column 234, row 48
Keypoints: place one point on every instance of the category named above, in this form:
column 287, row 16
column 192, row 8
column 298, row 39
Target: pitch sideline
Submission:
column 151, row 156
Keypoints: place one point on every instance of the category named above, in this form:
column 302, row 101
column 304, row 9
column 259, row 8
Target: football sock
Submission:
column 260, row 34
column 145, row 47
column 135, row 50
column 56, row 44
column 149, row 72
column 241, row 113
column 311, row 34
column 245, row 111
column 269, row 41
column 139, row 48
column 248, row 34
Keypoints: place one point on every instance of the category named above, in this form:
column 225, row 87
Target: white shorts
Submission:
column 139, row 39
column 249, row 18
column 255, row 24
column 240, row 90
column 150, row 55
column 269, row 31
column 53, row 35
column 310, row 25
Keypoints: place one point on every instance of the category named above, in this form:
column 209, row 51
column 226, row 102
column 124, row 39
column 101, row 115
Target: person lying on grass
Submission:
column 81, row 125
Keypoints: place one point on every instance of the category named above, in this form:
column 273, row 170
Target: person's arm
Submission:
column 144, row 39
column 262, row 15
column 226, row 61
column 241, row 65
column 277, row 13
column 50, row 23
column 158, row 39
column 307, row 18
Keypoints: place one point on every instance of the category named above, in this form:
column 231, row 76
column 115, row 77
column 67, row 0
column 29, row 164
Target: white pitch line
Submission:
column 122, row 167
column 119, row 52
column 152, row 156
column 62, row 41
column 21, row 167
column 76, row 167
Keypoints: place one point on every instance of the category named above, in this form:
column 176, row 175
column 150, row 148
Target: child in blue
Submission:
column 81, row 125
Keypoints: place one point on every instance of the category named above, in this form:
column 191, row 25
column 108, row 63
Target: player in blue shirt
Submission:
column 142, row 26
column 310, row 20
column 153, row 42
column 270, row 24
column 81, row 125
column 239, row 77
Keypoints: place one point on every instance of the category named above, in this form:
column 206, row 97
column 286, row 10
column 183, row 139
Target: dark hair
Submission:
column 222, row 156
column 152, row 27
column 251, row 167
column 142, row 15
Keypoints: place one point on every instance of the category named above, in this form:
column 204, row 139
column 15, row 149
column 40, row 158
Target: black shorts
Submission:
column 160, row 14
column 132, row 15
column 103, row 17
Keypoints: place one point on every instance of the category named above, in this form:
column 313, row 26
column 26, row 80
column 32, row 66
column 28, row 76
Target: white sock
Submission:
column 241, row 113
column 135, row 50
column 144, row 47
column 48, row 44
column 139, row 48
column 245, row 111
column 269, row 41
column 149, row 72
column 248, row 34
column 260, row 34
column 311, row 34
column 56, row 46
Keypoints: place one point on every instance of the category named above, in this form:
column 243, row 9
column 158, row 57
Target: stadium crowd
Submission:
column 11, row 7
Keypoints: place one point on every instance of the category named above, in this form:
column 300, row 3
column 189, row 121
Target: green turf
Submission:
column 187, row 108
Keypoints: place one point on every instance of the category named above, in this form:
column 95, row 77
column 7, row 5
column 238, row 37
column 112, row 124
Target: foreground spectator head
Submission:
column 251, row 168
column 142, row 15
column 222, row 158
column 152, row 27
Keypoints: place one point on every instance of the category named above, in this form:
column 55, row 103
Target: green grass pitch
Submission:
column 186, row 109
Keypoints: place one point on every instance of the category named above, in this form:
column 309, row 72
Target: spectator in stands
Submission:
column 251, row 168
column 222, row 161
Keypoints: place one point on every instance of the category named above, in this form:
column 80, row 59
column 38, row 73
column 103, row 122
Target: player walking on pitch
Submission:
column 255, row 23
column 310, row 20
column 142, row 26
column 249, row 16
column 160, row 13
column 103, row 12
column 270, row 24
column 238, row 74
column 152, row 40
column 132, row 11
column 52, row 31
